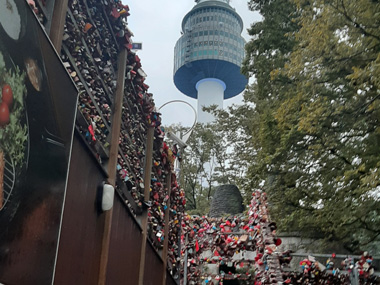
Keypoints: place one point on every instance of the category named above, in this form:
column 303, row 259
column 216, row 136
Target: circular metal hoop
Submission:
column 187, row 103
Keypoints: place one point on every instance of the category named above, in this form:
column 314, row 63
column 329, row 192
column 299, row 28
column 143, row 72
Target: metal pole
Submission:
column 144, row 219
column 329, row 255
column 178, row 263
column 355, row 277
column 112, row 162
column 185, row 264
column 166, row 228
column 179, row 233
column 180, row 180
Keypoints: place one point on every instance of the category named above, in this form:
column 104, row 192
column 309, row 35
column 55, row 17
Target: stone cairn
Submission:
column 227, row 200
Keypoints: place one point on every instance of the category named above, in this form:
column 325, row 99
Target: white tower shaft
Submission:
column 210, row 92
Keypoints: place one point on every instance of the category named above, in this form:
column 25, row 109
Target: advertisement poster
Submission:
column 37, row 110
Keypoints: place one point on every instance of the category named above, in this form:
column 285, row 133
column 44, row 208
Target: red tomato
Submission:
column 4, row 114
column 7, row 95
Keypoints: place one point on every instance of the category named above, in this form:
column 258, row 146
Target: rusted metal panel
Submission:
column 82, row 226
column 153, row 266
column 125, row 246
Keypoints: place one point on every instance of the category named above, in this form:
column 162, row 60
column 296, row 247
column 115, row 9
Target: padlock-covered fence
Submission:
column 94, row 35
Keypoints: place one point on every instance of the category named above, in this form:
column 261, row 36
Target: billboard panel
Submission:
column 37, row 111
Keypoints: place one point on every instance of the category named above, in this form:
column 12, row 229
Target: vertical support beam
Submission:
column 166, row 228
column 185, row 262
column 354, row 275
column 144, row 218
column 57, row 23
column 181, row 177
column 181, row 180
column 178, row 263
column 112, row 163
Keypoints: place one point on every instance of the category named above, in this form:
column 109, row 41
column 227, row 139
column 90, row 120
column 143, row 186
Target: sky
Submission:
column 157, row 24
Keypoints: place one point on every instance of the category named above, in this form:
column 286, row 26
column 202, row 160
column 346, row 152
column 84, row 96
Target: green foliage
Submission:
column 195, row 177
column 210, row 159
column 315, row 120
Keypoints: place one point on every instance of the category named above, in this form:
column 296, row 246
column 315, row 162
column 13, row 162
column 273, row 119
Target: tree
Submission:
column 235, row 128
column 198, row 167
column 329, row 122
column 267, row 53
column 316, row 115
column 209, row 160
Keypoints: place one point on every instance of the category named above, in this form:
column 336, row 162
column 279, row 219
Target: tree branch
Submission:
column 355, row 24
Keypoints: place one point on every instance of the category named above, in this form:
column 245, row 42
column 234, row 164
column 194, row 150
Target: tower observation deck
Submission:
column 208, row 55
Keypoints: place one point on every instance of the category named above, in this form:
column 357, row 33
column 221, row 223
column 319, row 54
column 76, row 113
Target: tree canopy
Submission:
column 215, row 155
column 314, row 116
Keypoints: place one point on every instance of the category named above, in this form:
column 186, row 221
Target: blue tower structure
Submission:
column 208, row 56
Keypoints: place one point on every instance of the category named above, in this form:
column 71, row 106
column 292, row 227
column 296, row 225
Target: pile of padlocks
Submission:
column 236, row 248
column 365, row 268
column 334, row 271
column 159, row 196
column 177, row 210
column 267, row 261
column 314, row 272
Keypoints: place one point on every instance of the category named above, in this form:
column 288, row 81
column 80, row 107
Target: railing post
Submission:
column 185, row 263
column 166, row 228
column 57, row 23
column 144, row 218
column 354, row 276
column 112, row 162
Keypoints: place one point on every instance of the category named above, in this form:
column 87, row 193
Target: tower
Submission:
column 208, row 55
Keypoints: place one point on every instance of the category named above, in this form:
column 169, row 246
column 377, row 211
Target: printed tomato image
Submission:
column 7, row 95
column 4, row 114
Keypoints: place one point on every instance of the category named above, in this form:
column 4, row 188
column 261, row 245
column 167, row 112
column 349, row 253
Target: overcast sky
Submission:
column 157, row 24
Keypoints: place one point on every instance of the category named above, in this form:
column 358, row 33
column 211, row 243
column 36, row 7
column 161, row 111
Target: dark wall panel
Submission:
column 125, row 246
column 82, row 226
column 153, row 267
column 170, row 280
column 35, row 141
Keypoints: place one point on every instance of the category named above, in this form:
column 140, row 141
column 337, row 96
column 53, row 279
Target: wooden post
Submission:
column 166, row 228
column 57, row 23
column 144, row 218
column 112, row 163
